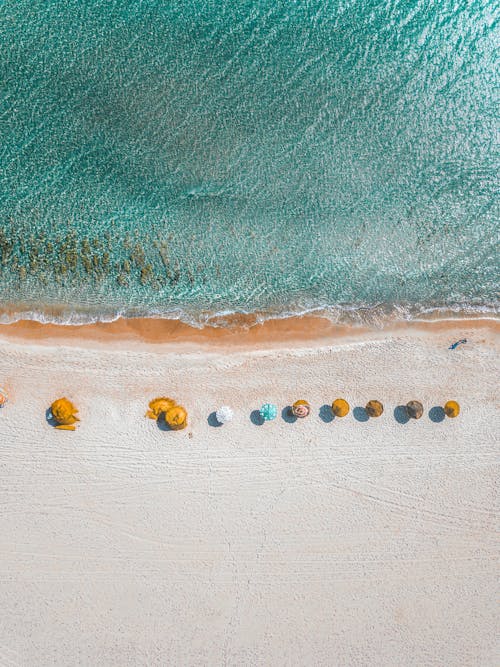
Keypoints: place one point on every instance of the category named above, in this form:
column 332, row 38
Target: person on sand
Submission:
column 457, row 343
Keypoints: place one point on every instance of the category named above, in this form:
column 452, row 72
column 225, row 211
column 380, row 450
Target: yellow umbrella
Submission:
column 452, row 409
column 374, row 408
column 158, row 406
column 340, row 407
column 176, row 418
column 64, row 412
column 301, row 409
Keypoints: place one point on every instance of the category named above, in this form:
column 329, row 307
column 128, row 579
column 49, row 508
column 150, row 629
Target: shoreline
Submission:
column 376, row 315
column 273, row 334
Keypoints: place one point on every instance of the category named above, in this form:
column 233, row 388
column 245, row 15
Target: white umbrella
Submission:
column 224, row 414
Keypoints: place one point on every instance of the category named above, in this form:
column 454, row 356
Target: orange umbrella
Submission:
column 4, row 399
column 340, row 407
column 176, row 418
column 158, row 406
column 452, row 409
column 374, row 408
column 64, row 413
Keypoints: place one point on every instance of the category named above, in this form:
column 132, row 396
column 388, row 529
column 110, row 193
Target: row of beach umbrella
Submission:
column 63, row 413
column 341, row 408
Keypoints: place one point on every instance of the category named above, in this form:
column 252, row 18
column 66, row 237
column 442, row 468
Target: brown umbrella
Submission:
column 415, row 409
column 374, row 408
column 340, row 407
column 452, row 409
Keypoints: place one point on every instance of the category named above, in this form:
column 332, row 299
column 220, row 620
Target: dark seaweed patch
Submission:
column 68, row 259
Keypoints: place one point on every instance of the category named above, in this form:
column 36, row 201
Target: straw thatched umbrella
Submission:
column 159, row 406
column 224, row 414
column 268, row 412
column 301, row 409
column 4, row 398
column 176, row 418
column 415, row 409
column 64, row 413
column 340, row 407
column 452, row 409
column 374, row 408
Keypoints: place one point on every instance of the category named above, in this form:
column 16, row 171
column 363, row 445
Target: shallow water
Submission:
column 189, row 158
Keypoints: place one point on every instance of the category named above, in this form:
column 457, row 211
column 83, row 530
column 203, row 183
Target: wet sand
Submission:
column 242, row 334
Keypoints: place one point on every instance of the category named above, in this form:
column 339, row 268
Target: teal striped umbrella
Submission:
column 268, row 412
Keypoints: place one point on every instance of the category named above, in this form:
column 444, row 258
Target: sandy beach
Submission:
column 318, row 542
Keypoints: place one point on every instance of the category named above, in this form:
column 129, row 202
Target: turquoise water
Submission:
column 188, row 158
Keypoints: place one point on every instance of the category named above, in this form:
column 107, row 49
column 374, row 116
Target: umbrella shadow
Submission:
column 49, row 418
column 326, row 413
column 437, row 414
column 401, row 414
column 288, row 416
column 360, row 414
column 212, row 420
column 162, row 424
column 255, row 418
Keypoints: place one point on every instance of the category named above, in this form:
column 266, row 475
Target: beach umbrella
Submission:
column 268, row 412
column 452, row 409
column 158, row 406
column 301, row 409
column 340, row 407
column 224, row 414
column 415, row 409
column 374, row 408
column 4, row 399
column 176, row 418
column 64, row 413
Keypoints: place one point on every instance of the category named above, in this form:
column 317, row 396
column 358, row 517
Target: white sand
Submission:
column 342, row 543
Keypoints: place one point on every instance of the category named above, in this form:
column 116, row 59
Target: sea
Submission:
column 203, row 160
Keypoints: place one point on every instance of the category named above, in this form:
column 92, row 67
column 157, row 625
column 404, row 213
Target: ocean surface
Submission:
column 197, row 158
